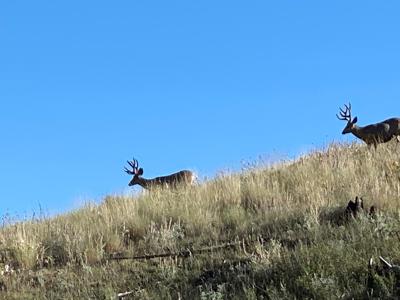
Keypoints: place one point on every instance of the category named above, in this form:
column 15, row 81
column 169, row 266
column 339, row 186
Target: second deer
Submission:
column 173, row 180
column 373, row 134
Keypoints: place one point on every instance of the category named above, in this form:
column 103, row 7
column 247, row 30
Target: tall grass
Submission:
column 297, row 241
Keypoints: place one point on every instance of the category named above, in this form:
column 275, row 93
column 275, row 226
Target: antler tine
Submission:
column 342, row 114
column 129, row 171
column 136, row 163
column 342, row 117
column 349, row 109
column 131, row 163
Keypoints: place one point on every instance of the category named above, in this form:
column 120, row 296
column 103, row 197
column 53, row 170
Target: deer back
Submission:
column 174, row 179
column 394, row 125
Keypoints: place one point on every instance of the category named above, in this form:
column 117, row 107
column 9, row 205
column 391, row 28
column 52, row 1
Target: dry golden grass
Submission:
column 289, row 213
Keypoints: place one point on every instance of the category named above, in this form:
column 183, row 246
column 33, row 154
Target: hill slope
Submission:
column 290, row 236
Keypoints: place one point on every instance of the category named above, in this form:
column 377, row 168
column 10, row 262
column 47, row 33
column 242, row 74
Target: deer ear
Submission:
column 355, row 120
column 140, row 172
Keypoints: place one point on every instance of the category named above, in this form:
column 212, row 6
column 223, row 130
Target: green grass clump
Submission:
column 296, row 240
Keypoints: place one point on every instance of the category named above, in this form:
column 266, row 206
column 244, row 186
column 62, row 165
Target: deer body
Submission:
column 174, row 180
column 378, row 133
column 184, row 177
column 372, row 134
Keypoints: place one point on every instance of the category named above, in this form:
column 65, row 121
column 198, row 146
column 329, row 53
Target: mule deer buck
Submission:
column 174, row 180
column 373, row 134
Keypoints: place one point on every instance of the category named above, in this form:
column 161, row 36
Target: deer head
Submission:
column 345, row 115
column 136, row 172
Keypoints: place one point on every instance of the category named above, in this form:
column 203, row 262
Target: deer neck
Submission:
column 146, row 183
column 357, row 131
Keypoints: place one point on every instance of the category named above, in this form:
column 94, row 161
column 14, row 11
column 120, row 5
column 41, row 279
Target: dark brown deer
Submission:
column 173, row 180
column 373, row 134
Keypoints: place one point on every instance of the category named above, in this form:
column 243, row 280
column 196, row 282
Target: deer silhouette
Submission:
column 173, row 180
column 372, row 134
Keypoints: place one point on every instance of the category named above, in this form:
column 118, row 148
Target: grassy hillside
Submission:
column 293, row 239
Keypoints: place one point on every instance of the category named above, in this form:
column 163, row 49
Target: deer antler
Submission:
column 134, row 165
column 345, row 115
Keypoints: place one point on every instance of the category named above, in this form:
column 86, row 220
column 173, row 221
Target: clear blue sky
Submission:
column 203, row 85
